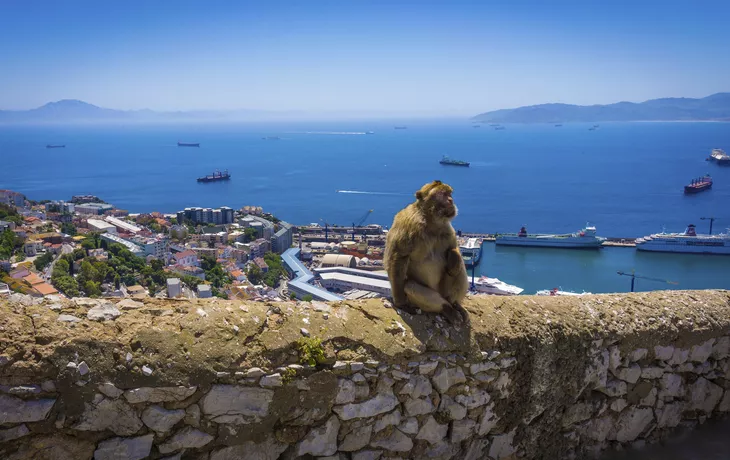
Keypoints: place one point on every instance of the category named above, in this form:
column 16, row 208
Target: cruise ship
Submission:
column 583, row 239
column 719, row 156
column 493, row 286
column 688, row 242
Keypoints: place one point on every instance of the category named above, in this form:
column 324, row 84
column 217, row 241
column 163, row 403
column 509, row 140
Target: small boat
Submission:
column 494, row 286
column 188, row 144
column 558, row 125
column 558, row 292
column 401, row 127
column 592, row 128
column 719, row 156
column 448, row 161
column 698, row 185
column 216, row 176
column 56, row 146
column 370, row 132
column 271, row 138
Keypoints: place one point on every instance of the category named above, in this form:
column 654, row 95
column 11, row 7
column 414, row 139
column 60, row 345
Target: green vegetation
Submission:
column 10, row 243
column 68, row 228
column 249, row 234
column 43, row 261
column 292, row 296
column 276, row 269
column 62, row 279
column 287, row 376
column 46, row 228
column 307, row 298
column 254, row 274
column 9, row 214
column 214, row 273
column 311, row 351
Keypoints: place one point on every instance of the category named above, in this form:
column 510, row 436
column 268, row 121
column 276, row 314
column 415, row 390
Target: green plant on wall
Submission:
column 311, row 351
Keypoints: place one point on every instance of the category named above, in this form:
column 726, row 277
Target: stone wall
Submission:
column 530, row 377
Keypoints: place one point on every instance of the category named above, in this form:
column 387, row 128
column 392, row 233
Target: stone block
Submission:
column 417, row 387
column 474, row 398
column 16, row 410
column 160, row 419
column 392, row 418
column 13, row 433
column 630, row 424
column 395, row 442
column 356, row 439
column 427, row 368
column 663, row 353
column 462, row 430
column 700, row 353
column 452, row 409
column 236, row 404
column 445, row 378
column 721, row 348
column 638, row 354
column 670, row 385
column 380, row 404
column 366, row 455
column 409, row 426
column 322, row 440
column 432, row 431
column 268, row 449
column 488, row 421
column 110, row 414
column 124, row 448
column 704, row 395
column 187, row 438
column 629, row 374
column 679, row 356
column 110, row 390
column 271, row 381
column 614, row 388
column 577, row 413
column 159, row 394
column 418, row 407
column 502, row 446
column 670, row 415
column 104, row 312
column 652, row 373
column 345, row 391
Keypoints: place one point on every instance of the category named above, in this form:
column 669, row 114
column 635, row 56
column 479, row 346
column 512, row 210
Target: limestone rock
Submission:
column 704, row 395
column 432, row 431
column 159, row 394
column 638, row 354
column 160, row 419
column 489, row 420
column 68, row 319
column 409, row 426
column 475, row 398
column 597, row 372
column 663, row 353
column 598, row 429
column 502, row 446
column 110, row 390
column 236, row 404
column 451, row 408
column 396, row 442
column 679, row 357
column 124, row 448
column 630, row 424
column 254, row 373
column 618, row 405
column 387, row 420
column 187, row 438
column 366, row 455
column 577, row 413
column 441, row 451
column 418, row 407
column 445, row 378
column 721, row 349
column 670, row 415
column 110, row 414
column 462, row 430
column 380, row 404
column 502, row 385
column 271, row 381
column 427, row 368
column 725, row 403
column 345, row 391
column 269, row 449
column 56, row 446
column 192, row 415
column 670, row 385
column 13, row 433
column 321, row 441
column 104, row 312
column 477, row 449
column 614, row 388
column 16, row 410
column 129, row 304
column 614, row 358
column 482, row 367
column 652, row 373
column 356, row 439
column 650, row 399
column 629, row 374
column 700, row 353
column 417, row 386
column 24, row 390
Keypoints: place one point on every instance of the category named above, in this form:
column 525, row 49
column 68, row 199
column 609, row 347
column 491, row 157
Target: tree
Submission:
column 250, row 234
column 117, row 281
column 307, row 298
column 43, row 261
column 292, row 296
column 9, row 244
column 68, row 228
column 92, row 289
column 152, row 289
column 254, row 274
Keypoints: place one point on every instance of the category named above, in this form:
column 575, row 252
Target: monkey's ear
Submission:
column 419, row 195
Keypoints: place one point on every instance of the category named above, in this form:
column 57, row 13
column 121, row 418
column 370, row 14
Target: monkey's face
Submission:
column 437, row 200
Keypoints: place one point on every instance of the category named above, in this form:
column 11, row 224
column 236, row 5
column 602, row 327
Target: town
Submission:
column 86, row 247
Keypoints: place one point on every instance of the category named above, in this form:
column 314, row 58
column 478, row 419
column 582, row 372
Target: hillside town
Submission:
column 86, row 247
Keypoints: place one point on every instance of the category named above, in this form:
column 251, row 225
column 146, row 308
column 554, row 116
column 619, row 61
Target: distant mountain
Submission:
column 715, row 107
column 71, row 110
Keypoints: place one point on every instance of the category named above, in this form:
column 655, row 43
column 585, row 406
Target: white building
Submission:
column 12, row 198
column 94, row 209
column 133, row 248
column 122, row 225
column 174, row 287
column 187, row 257
column 341, row 279
column 101, row 226
column 204, row 291
column 157, row 247
column 282, row 240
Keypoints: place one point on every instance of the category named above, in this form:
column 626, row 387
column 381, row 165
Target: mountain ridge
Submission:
column 715, row 107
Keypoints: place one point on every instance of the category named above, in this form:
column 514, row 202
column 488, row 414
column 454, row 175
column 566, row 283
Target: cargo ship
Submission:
column 583, row 239
column 698, row 185
column 448, row 161
column 216, row 176
column 720, row 157
column 188, row 144
column 52, row 146
column 687, row 242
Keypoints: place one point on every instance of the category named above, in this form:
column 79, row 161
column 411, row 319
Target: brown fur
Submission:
column 422, row 256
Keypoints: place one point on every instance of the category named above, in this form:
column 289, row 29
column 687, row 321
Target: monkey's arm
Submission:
column 454, row 262
column 397, row 273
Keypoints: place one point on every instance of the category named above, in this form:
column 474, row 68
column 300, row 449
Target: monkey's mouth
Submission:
column 451, row 212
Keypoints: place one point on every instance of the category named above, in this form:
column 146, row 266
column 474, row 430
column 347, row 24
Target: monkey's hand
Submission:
column 454, row 262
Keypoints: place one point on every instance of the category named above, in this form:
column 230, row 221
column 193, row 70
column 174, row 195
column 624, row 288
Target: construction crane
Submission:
column 360, row 222
column 634, row 276
column 326, row 230
column 711, row 219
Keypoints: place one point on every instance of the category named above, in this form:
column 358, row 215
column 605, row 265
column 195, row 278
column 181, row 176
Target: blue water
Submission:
column 625, row 178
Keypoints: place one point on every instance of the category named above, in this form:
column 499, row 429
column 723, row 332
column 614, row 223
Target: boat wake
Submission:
column 359, row 192
column 336, row 133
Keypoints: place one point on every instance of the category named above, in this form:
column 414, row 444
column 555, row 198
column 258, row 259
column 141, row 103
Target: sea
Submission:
column 625, row 178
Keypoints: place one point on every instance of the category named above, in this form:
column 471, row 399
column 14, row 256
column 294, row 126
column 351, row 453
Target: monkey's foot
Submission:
column 452, row 315
column 462, row 311
column 407, row 308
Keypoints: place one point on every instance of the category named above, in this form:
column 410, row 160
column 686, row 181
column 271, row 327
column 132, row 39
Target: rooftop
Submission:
column 302, row 277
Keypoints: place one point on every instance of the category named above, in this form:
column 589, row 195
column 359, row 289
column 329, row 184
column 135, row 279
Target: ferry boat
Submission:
column 55, row 146
column 583, row 239
column 448, row 161
column 687, row 242
column 698, row 185
column 719, row 156
column 558, row 292
column 216, row 176
column 494, row 286
column 188, row 144
column 471, row 251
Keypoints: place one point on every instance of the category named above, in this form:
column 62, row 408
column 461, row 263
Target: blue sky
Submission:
column 375, row 57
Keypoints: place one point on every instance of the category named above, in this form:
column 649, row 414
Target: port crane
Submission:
column 711, row 219
column 634, row 276
column 360, row 222
column 326, row 230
